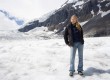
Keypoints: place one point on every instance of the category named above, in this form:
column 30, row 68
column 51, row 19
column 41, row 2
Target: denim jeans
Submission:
column 79, row 46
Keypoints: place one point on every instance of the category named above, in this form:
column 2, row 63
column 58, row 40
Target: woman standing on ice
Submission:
column 73, row 37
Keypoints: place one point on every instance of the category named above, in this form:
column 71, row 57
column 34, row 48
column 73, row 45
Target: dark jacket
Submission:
column 72, row 34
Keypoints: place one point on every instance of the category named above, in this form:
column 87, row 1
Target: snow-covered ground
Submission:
column 22, row 58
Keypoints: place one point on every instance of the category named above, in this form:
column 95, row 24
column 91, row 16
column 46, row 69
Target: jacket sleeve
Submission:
column 66, row 36
column 82, row 35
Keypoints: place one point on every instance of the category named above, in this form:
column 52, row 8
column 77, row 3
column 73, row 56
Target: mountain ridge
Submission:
column 89, row 11
column 9, row 16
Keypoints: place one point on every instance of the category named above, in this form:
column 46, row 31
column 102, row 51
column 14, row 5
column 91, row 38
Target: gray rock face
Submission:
column 96, row 12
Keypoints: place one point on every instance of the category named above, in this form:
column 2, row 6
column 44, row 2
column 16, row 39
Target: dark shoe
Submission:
column 71, row 74
column 80, row 73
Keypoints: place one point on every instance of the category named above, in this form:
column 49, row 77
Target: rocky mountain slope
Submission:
column 94, row 16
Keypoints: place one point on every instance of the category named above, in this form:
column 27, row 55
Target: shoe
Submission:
column 80, row 73
column 71, row 74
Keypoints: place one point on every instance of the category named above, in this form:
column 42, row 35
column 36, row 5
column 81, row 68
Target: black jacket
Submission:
column 72, row 34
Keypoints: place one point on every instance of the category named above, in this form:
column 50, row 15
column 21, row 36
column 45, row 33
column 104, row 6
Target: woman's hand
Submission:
column 69, row 44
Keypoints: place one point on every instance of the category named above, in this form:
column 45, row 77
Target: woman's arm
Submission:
column 82, row 35
column 66, row 36
column 81, row 32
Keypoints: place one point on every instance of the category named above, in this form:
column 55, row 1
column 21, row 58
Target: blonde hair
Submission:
column 78, row 26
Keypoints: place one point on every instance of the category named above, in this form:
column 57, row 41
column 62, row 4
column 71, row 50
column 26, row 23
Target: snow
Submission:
column 37, row 33
column 78, row 3
column 71, row 1
column 102, row 0
column 46, row 16
column 82, row 23
column 108, row 4
column 103, row 13
column 25, row 58
column 5, row 23
column 11, row 17
column 92, row 12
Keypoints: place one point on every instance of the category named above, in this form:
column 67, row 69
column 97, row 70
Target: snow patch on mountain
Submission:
column 103, row 13
column 78, row 3
column 108, row 4
column 92, row 12
column 71, row 1
column 82, row 23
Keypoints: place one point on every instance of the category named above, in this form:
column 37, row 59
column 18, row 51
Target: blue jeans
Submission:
column 79, row 46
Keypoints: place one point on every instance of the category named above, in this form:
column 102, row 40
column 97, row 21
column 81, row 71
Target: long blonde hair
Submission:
column 78, row 26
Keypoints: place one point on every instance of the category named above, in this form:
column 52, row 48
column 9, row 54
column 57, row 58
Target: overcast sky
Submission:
column 30, row 9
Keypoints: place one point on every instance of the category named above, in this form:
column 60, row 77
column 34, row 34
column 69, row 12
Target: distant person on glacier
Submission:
column 73, row 37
